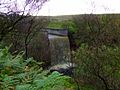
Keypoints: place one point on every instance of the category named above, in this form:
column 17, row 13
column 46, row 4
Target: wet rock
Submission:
column 65, row 69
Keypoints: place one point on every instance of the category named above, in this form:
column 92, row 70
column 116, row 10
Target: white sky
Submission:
column 71, row 7
column 68, row 7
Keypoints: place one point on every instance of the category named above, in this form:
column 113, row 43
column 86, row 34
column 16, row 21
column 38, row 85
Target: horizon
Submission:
column 81, row 14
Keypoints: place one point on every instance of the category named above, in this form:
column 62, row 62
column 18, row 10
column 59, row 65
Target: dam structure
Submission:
column 59, row 46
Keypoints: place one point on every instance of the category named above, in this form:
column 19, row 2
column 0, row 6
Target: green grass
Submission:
column 69, row 24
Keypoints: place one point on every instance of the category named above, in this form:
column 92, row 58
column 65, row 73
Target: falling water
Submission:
column 59, row 48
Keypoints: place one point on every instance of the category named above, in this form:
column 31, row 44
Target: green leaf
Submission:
column 23, row 87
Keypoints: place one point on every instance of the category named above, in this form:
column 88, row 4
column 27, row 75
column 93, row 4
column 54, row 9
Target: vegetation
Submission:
column 98, row 67
column 67, row 24
column 22, row 30
column 20, row 74
column 95, row 42
column 97, row 30
column 18, row 25
column 14, row 14
column 94, row 30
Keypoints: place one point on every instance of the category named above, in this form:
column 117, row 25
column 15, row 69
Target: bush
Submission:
column 98, row 67
column 96, row 30
column 20, row 74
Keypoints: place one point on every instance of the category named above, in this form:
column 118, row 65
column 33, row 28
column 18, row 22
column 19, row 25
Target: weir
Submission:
column 59, row 46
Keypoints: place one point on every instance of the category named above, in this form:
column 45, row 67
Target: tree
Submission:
column 12, row 14
column 98, row 58
column 98, row 67
column 97, row 30
column 26, row 32
column 17, row 22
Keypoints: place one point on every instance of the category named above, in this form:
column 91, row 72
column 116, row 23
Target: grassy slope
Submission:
column 66, row 21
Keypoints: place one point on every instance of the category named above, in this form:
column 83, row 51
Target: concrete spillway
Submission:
column 59, row 48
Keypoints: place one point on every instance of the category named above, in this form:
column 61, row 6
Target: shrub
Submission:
column 20, row 74
column 99, row 67
column 96, row 30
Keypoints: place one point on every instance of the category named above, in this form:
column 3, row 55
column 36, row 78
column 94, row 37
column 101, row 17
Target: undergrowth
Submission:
column 19, row 74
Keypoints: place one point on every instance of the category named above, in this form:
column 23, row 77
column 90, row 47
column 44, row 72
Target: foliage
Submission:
column 26, row 36
column 54, row 24
column 94, row 30
column 98, row 67
column 66, row 24
column 18, row 25
column 11, row 14
column 20, row 74
column 97, row 30
column 87, row 87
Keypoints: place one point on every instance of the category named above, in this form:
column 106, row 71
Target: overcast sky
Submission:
column 68, row 7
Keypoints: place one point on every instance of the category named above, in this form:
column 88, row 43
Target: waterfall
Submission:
column 59, row 47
